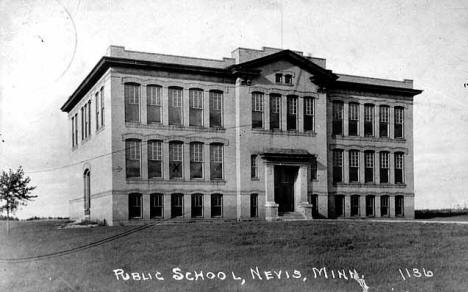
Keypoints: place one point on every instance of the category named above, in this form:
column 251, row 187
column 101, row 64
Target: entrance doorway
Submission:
column 285, row 176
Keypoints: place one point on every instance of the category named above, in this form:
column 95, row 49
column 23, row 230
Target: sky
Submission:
column 48, row 47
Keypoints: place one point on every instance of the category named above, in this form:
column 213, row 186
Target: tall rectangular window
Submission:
column 399, row 205
column 154, row 159
column 76, row 129
column 368, row 120
column 253, row 166
column 196, row 107
column 257, row 110
column 216, row 205
column 89, row 117
column 176, row 155
column 369, row 166
column 175, row 106
column 135, row 206
column 309, row 114
column 313, row 200
column 384, row 206
column 132, row 102
column 133, row 157
column 399, row 168
column 337, row 122
column 253, row 205
column 370, row 206
column 384, row 168
column 102, row 106
column 339, row 205
column 353, row 119
column 216, row 109
column 216, row 161
column 292, row 113
column 383, row 120
column 399, row 122
column 355, row 205
column 197, row 205
column 98, row 109
column 153, row 103
column 275, row 111
column 337, row 165
column 82, row 123
column 313, row 170
column 156, row 206
column 177, row 205
column 353, row 166
column 196, row 160
column 73, row 131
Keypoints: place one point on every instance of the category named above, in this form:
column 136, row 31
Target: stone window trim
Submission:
column 166, row 139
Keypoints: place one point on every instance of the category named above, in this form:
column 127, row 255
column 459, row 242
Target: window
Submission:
column 399, row 122
column 102, row 106
column 288, row 79
column 257, row 110
column 353, row 121
column 86, row 120
column 313, row 200
column 337, row 165
column 197, row 205
column 196, row 160
column 134, row 206
column 196, row 107
column 309, row 110
column 339, row 205
column 175, row 106
column 89, row 118
column 73, row 131
column 368, row 120
column 87, row 191
column 399, row 205
column 156, row 206
column 98, row 109
column 399, row 167
column 370, row 205
column 177, row 205
column 253, row 166
column 353, row 166
column 313, row 170
column 355, row 205
column 275, row 111
column 216, row 161
column 216, row 109
column 132, row 102
column 383, row 120
column 253, row 205
column 132, row 157
column 369, row 166
column 292, row 113
column 175, row 159
column 216, row 205
column 384, row 169
column 279, row 78
column 384, row 206
column 153, row 104
column 337, row 123
column 82, row 124
column 154, row 159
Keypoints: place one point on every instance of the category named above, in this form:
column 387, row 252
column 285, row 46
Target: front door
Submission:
column 285, row 177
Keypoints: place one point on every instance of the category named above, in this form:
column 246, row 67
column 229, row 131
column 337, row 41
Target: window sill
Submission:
column 254, row 179
column 174, row 127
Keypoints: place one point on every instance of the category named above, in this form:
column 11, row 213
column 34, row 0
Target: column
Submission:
column 376, row 121
column 271, row 208
column 284, row 113
column 362, row 167
column 266, row 111
column 362, row 206
column 187, row 206
column 165, row 157
column 377, row 167
column 186, row 161
column 185, row 107
column 207, row 205
column 206, row 161
column 300, row 113
column 146, row 206
column 144, row 159
column 345, row 118
column 206, row 109
column 345, row 166
column 392, row 206
column 347, row 206
column 361, row 119
column 167, row 206
column 391, row 122
column 143, row 105
column 301, row 190
column 165, row 106
column 377, row 212
column 391, row 166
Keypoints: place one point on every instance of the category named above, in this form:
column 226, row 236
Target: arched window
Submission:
column 370, row 205
column 87, row 191
column 399, row 206
column 135, row 206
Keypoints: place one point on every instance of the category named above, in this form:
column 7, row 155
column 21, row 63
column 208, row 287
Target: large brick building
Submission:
column 263, row 134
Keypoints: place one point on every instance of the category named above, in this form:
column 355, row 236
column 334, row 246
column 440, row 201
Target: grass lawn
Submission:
column 375, row 249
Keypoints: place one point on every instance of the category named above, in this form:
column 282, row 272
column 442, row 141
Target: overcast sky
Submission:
column 48, row 47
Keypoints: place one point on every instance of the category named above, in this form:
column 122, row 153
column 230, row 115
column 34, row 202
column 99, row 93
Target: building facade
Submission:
column 265, row 134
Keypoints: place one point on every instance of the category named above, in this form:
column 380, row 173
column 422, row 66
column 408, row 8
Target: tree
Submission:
column 14, row 191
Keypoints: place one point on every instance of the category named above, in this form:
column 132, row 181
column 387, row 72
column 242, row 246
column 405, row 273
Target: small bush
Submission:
column 428, row 214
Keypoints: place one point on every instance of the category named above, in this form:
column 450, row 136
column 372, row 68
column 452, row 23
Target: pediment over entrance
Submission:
column 287, row 155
